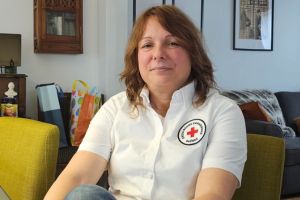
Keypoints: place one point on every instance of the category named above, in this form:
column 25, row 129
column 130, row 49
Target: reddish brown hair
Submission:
column 179, row 25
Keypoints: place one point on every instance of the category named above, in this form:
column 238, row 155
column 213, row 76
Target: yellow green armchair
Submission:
column 262, row 177
column 28, row 155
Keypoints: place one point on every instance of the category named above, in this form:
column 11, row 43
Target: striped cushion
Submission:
column 268, row 100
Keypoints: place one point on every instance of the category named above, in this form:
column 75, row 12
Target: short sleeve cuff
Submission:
column 95, row 148
column 235, row 170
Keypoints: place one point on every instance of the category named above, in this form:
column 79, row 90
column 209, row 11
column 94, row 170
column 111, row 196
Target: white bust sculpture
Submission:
column 10, row 93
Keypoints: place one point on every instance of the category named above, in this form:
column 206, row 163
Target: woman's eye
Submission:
column 173, row 44
column 145, row 46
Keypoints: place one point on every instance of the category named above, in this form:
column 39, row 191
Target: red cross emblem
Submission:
column 192, row 132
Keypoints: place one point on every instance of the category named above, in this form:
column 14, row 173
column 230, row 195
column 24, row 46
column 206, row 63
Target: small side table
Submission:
column 20, row 87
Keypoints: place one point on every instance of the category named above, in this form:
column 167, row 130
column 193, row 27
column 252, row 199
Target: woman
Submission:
column 171, row 135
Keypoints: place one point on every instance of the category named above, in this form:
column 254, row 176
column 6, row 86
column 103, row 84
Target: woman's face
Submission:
column 163, row 62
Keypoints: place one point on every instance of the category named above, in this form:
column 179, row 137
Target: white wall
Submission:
column 275, row 70
column 106, row 26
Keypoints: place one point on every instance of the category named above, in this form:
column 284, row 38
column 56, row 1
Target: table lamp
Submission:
column 10, row 52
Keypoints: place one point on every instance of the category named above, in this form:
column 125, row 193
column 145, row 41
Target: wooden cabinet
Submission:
column 58, row 26
column 20, row 87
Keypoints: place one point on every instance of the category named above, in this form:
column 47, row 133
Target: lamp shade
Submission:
column 10, row 49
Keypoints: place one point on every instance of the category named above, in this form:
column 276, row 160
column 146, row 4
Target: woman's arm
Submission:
column 84, row 168
column 215, row 184
column 225, row 156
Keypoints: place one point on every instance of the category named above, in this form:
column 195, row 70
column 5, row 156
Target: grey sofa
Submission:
column 290, row 106
column 283, row 107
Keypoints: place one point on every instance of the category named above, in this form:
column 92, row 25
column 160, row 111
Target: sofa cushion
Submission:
column 290, row 105
column 268, row 100
column 263, row 128
column 292, row 148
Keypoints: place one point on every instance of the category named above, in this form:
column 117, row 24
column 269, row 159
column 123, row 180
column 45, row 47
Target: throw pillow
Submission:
column 254, row 111
column 297, row 122
column 268, row 100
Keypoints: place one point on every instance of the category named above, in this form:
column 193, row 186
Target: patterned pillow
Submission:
column 253, row 110
column 268, row 100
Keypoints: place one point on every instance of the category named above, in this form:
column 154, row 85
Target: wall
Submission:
column 275, row 70
column 106, row 26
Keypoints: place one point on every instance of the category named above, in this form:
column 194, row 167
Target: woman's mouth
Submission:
column 160, row 68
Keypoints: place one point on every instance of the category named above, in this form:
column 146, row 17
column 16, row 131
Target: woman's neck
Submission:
column 160, row 102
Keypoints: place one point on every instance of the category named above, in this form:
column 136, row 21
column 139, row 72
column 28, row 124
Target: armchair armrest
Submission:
column 263, row 128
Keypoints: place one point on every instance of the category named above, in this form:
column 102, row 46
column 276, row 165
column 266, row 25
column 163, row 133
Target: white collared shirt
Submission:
column 154, row 159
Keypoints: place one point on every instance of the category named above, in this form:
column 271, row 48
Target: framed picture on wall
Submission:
column 253, row 25
column 193, row 9
column 141, row 5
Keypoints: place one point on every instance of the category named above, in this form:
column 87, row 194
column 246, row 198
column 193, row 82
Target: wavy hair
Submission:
column 190, row 38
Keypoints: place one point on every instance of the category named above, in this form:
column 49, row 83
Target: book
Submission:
column 3, row 194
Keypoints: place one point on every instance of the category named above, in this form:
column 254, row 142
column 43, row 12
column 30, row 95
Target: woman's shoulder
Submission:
column 121, row 96
column 222, row 105
column 117, row 100
column 113, row 105
column 215, row 97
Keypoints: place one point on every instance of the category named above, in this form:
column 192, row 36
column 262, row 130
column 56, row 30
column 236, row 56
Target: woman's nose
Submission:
column 159, row 52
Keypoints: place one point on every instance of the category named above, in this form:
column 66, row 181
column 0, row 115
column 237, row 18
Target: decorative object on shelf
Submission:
column 253, row 25
column 192, row 8
column 10, row 53
column 11, row 93
column 9, row 106
column 58, row 26
column 19, row 81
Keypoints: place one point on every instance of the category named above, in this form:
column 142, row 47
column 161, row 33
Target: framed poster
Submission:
column 253, row 25
column 193, row 9
column 141, row 5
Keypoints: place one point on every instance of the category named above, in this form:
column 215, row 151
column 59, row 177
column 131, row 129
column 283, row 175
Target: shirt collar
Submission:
column 145, row 96
column 183, row 96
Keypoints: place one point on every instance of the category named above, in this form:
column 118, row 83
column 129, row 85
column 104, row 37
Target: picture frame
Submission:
column 253, row 25
column 193, row 9
column 141, row 5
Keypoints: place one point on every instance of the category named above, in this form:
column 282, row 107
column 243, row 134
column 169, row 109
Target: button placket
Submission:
column 150, row 157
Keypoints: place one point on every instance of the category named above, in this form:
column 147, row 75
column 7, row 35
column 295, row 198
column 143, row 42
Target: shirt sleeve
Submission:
column 98, row 136
column 227, row 142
